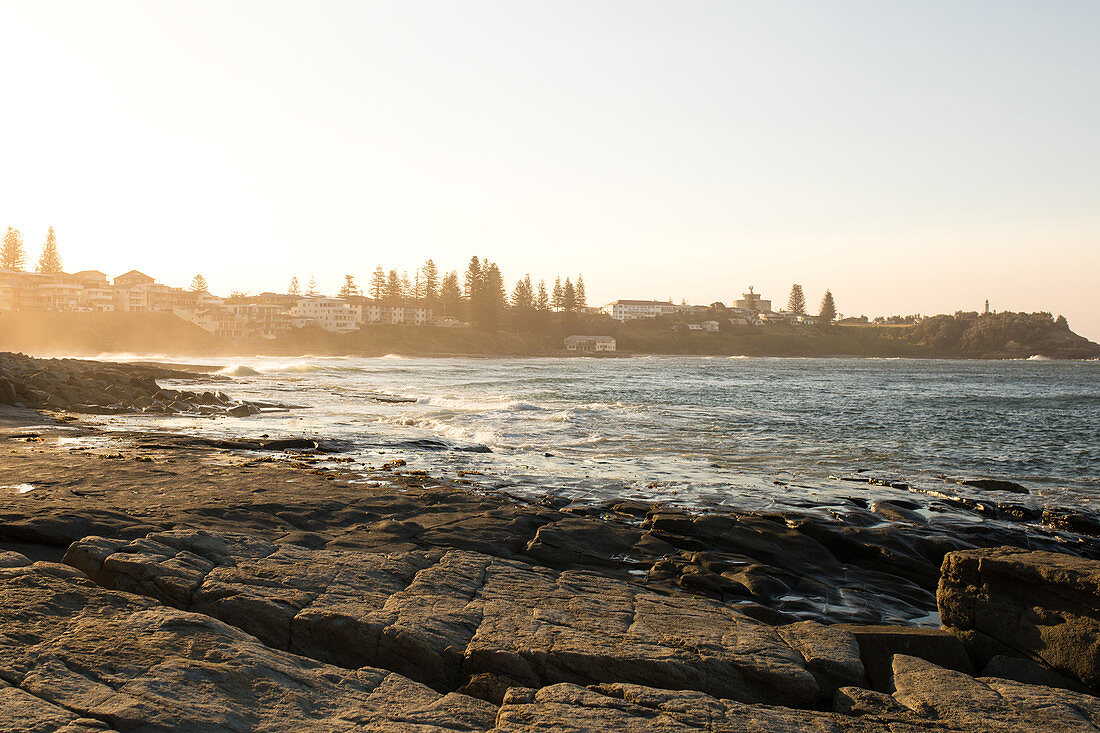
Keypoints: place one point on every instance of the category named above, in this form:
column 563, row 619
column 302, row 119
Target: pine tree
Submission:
column 542, row 300
column 295, row 288
column 473, row 278
column 578, row 293
column 828, row 308
column 523, row 299
column 378, row 283
column 198, row 284
column 349, row 289
column 474, row 291
column 450, row 295
column 495, row 299
column 797, row 302
column 429, row 281
column 312, row 286
column 393, row 286
column 568, row 297
column 406, row 286
column 12, row 255
column 557, row 295
column 50, row 261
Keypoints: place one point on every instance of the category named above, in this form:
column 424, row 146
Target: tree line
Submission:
column 480, row 295
column 13, row 255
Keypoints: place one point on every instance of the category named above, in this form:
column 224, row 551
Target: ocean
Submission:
column 744, row 433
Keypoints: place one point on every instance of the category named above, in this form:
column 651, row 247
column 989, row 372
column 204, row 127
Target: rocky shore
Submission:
column 104, row 388
column 161, row 582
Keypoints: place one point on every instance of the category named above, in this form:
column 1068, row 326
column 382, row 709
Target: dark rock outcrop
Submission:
column 104, row 388
column 994, row 484
column 1042, row 605
column 441, row 617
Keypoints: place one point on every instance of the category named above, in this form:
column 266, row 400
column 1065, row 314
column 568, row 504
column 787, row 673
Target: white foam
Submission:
column 240, row 370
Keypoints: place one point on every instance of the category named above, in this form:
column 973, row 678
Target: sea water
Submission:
column 747, row 433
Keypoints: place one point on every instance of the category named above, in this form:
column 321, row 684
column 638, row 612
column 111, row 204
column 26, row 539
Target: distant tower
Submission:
column 751, row 301
column 987, row 306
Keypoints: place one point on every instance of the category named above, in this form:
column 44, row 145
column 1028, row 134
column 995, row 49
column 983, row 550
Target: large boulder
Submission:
column 1042, row 605
column 966, row 703
column 442, row 616
column 7, row 392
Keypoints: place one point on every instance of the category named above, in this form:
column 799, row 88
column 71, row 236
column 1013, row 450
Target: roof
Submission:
column 134, row 274
column 640, row 302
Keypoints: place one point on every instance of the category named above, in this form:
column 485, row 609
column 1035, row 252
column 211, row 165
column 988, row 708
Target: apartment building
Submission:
column 631, row 310
column 331, row 314
column 394, row 312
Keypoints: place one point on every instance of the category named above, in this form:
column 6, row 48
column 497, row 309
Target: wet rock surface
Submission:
column 1041, row 605
column 104, row 388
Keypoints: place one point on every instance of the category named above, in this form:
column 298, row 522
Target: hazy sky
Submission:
column 911, row 156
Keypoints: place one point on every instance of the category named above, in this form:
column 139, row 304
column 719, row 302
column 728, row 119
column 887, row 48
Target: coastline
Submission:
column 993, row 337
column 66, row 482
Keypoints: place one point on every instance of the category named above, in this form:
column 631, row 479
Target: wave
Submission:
column 393, row 356
column 297, row 367
column 241, row 370
column 483, row 404
column 1039, row 357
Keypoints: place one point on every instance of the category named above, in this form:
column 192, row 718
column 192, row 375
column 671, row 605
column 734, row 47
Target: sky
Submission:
column 913, row 157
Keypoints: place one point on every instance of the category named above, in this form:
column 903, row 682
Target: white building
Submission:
column 589, row 343
column 710, row 326
column 786, row 317
column 370, row 310
column 331, row 314
column 631, row 310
